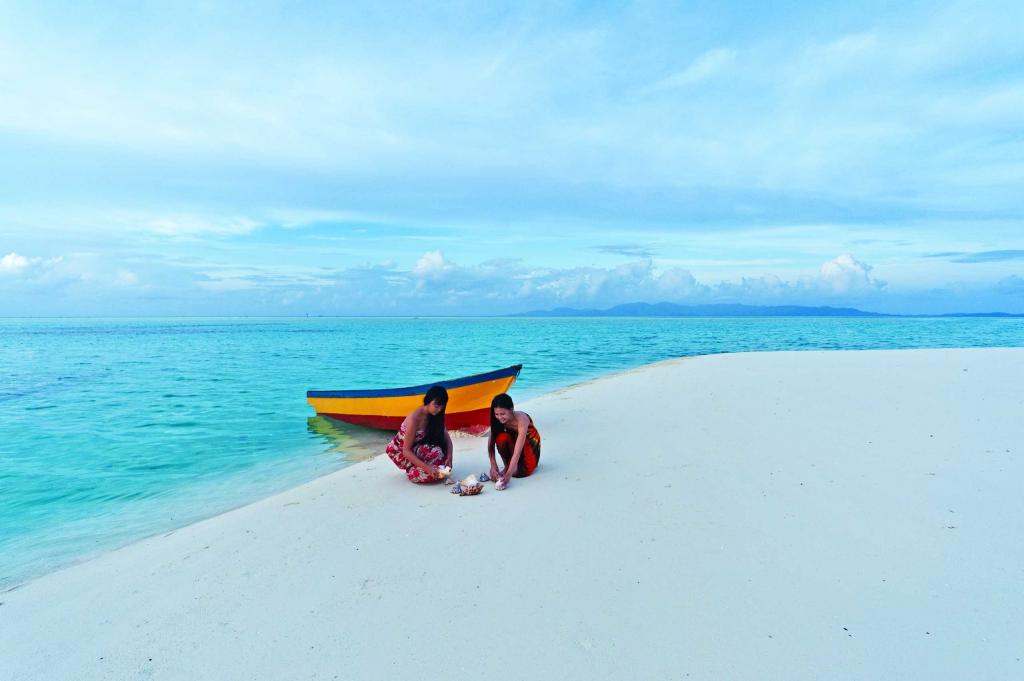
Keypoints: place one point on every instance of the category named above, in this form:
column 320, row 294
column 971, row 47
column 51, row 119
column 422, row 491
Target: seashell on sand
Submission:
column 472, row 490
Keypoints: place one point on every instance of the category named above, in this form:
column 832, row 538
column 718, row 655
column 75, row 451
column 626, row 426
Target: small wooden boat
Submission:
column 469, row 401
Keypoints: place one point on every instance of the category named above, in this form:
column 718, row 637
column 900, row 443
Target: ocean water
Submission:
column 113, row 430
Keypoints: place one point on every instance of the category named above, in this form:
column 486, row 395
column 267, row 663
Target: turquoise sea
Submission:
column 112, row 430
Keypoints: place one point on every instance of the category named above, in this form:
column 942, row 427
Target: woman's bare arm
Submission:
column 522, row 423
column 414, row 422
column 490, row 455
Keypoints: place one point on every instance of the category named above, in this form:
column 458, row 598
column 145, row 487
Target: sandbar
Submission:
column 784, row 515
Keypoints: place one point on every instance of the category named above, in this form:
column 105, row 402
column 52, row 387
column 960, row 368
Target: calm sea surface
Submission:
column 112, row 430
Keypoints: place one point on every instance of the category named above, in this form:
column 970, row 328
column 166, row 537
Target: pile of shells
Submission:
column 468, row 487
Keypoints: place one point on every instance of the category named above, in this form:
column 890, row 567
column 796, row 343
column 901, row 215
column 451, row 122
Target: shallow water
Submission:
column 111, row 430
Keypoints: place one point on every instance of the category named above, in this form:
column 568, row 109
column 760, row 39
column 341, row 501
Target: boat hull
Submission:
column 469, row 402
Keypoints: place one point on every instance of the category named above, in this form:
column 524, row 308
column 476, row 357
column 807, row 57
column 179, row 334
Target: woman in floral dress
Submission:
column 430, row 446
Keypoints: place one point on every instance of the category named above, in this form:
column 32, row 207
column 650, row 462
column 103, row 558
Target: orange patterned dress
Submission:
column 505, row 443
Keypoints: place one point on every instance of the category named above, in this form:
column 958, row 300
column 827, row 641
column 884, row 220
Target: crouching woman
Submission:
column 430, row 445
column 515, row 438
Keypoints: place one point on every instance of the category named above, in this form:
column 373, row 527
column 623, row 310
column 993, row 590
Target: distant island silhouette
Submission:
column 732, row 310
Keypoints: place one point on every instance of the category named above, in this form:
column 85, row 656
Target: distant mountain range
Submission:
column 728, row 310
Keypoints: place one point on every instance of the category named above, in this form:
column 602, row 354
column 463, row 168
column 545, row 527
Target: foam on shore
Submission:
column 795, row 515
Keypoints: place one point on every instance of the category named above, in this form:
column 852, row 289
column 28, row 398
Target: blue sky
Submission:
column 472, row 158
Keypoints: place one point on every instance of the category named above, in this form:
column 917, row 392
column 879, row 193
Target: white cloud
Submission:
column 845, row 274
column 12, row 263
column 709, row 64
column 678, row 282
column 68, row 275
column 431, row 264
column 433, row 284
column 27, row 267
column 517, row 284
column 843, row 281
column 213, row 277
column 126, row 278
column 194, row 225
column 889, row 112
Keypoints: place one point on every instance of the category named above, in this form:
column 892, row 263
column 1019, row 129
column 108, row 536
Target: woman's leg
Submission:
column 394, row 452
column 431, row 454
column 505, row 444
column 527, row 462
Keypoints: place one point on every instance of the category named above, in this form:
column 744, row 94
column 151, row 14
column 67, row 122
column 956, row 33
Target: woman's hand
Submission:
column 430, row 469
column 494, row 473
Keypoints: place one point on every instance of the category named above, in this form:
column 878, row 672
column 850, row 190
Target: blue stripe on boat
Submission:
column 420, row 389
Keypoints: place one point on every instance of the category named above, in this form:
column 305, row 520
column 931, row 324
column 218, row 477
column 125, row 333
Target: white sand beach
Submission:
column 789, row 516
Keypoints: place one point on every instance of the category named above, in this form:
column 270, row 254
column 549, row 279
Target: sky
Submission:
column 263, row 158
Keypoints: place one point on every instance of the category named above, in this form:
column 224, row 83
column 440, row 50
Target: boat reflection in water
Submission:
column 353, row 443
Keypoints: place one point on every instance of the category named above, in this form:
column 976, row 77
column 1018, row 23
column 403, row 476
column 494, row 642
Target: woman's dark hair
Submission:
column 504, row 402
column 435, row 424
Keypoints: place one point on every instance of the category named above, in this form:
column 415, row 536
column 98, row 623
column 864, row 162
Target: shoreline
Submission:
column 17, row 583
column 671, row 499
column 98, row 553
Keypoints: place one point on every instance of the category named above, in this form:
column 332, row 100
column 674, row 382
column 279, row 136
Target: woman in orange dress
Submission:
column 515, row 438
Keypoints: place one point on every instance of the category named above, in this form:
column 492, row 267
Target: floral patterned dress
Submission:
column 427, row 453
